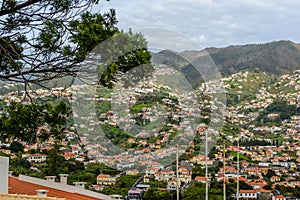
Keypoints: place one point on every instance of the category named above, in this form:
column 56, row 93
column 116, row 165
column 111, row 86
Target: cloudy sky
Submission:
column 213, row 23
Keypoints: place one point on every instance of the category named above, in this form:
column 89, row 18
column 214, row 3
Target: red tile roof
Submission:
column 103, row 176
column 247, row 191
column 26, row 197
column 241, row 179
column 200, row 178
column 17, row 186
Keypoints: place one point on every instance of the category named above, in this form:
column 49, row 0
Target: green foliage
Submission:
column 230, row 129
column 242, row 157
column 288, row 190
column 197, row 191
column 122, row 53
column 158, row 194
column 151, row 100
column 280, row 107
column 194, row 192
column 22, row 166
column 103, row 106
column 253, row 142
column 43, row 39
column 245, row 186
column 56, row 163
column 91, row 30
column 23, row 121
column 244, row 86
column 270, row 173
column 97, row 169
column 52, row 30
column 19, row 162
column 127, row 180
column 16, row 147
column 158, row 184
column 115, row 190
column 198, row 170
column 3, row 154
column 117, row 135
column 122, row 186
column 82, row 176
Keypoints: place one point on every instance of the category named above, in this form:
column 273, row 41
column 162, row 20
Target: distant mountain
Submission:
column 277, row 58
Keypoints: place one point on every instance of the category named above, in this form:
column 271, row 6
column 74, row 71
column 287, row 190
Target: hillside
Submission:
column 277, row 58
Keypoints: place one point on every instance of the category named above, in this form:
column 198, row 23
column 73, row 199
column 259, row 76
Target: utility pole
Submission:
column 206, row 170
column 224, row 181
column 238, row 171
column 177, row 175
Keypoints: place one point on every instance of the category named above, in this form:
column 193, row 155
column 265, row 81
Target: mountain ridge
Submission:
column 276, row 58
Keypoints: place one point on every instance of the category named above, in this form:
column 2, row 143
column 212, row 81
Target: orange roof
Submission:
column 200, row 178
column 247, row 191
column 47, row 147
column 241, row 179
column 17, row 186
column 103, row 176
column 264, row 191
column 163, row 189
column 258, row 183
column 255, row 191
column 166, row 171
column 152, row 169
column 26, row 197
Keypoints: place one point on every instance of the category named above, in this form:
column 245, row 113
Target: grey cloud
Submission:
column 214, row 22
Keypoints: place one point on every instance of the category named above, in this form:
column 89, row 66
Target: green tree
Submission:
column 41, row 40
column 24, row 121
column 270, row 173
column 55, row 163
column 16, row 147
column 44, row 39
column 20, row 162
column 245, row 186
column 38, row 41
column 194, row 192
column 157, row 194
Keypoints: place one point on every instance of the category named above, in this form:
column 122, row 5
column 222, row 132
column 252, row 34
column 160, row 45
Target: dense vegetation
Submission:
column 24, row 121
column 280, row 107
column 115, row 134
column 123, row 185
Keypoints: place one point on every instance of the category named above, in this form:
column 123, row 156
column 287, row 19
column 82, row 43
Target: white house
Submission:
column 37, row 157
column 248, row 194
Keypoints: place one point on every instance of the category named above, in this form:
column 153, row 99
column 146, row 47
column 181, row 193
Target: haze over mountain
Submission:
column 277, row 58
